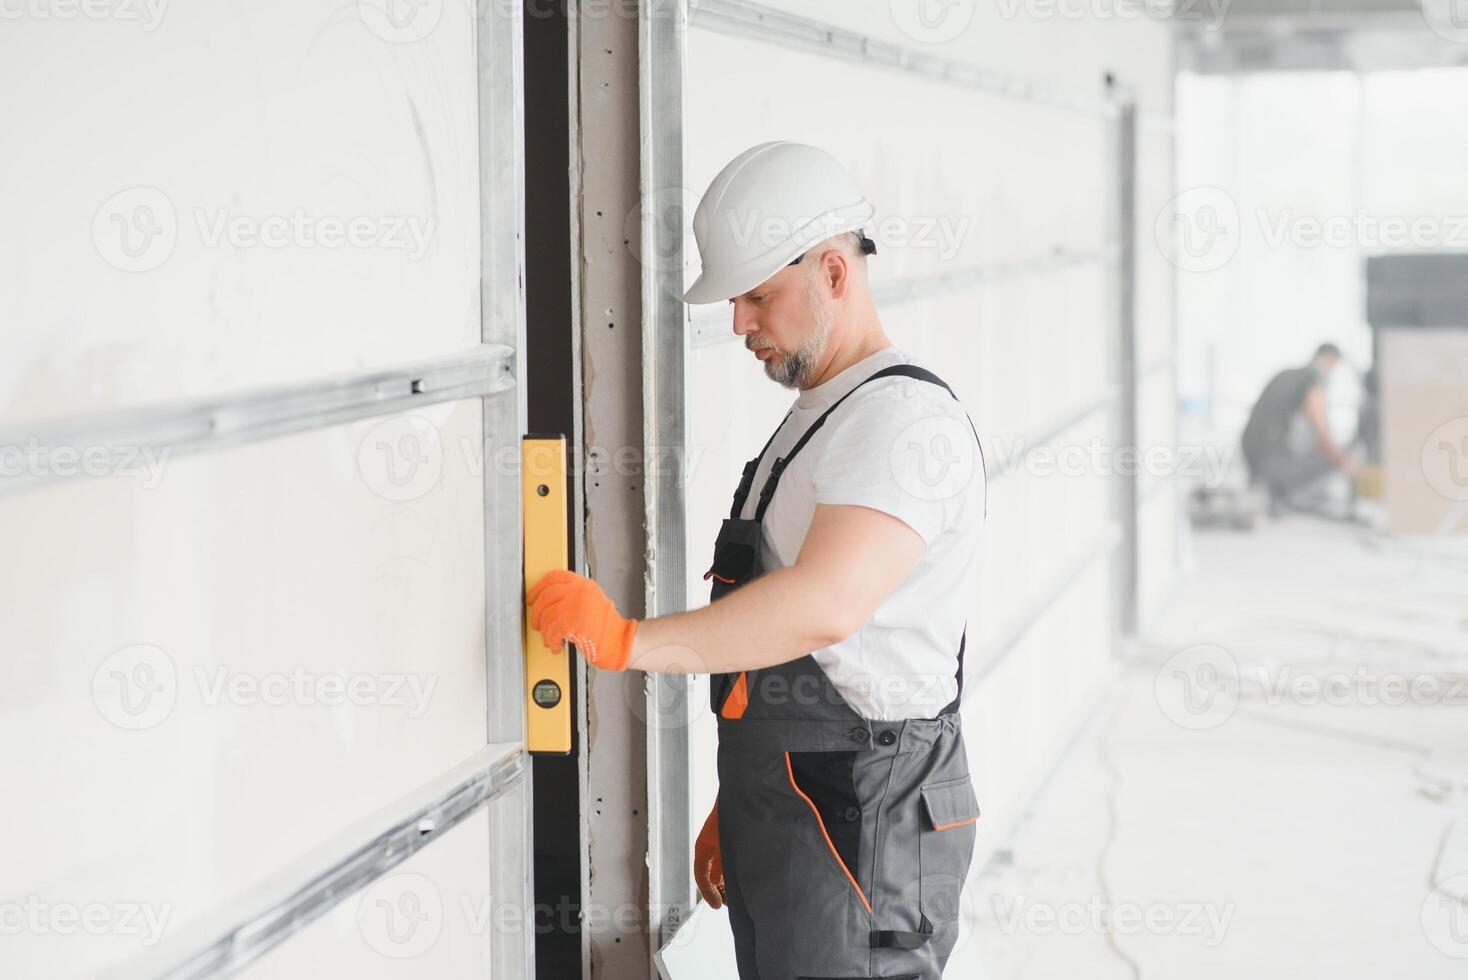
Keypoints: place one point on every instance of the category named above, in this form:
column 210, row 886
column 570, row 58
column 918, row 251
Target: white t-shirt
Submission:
column 904, row 447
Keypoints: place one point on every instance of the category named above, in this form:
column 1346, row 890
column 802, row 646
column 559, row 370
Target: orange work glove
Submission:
column 566, row 606
column 708, row 861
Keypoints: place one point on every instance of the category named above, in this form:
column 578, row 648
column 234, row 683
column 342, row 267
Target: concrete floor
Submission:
column 1276, row 787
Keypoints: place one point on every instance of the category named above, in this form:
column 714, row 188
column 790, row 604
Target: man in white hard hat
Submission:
column 844, row 825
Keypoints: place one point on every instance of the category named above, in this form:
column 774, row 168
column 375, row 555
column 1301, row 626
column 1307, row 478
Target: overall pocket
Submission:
column 946, row 835
column 736, row 556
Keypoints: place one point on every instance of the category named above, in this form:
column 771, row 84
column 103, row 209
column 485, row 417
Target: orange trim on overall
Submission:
column 822, row 824
column 961, row 823
column 713, row 574
column 737, row 700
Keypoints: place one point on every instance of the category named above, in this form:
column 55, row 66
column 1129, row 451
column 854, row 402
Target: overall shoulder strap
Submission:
column 746, row 479
column 767, row 492
column 953, row 705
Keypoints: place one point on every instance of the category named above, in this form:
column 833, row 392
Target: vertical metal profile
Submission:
column 613, row 754
column 662, row 37
column 1127, row 480
column 499, row 62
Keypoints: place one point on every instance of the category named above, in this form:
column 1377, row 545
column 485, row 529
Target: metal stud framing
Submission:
column 665, row 412
column 496, row 777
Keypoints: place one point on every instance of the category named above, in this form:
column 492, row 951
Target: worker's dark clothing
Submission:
column 1368, row 420
column 1285, row 469
column 845, row 841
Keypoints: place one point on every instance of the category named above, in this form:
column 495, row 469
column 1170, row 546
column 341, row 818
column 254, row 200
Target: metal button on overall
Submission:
column 889, row 737
column 852, row 814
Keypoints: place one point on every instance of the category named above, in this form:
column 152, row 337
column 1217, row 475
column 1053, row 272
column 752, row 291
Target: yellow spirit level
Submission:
column 543, row 511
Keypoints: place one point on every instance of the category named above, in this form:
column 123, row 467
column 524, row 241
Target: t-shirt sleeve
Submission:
column 904, row 450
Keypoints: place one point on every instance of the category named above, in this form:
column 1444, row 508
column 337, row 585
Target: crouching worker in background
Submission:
column 1287, row 441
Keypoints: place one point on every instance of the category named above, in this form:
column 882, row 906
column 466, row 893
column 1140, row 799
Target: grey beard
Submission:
column 795, row 369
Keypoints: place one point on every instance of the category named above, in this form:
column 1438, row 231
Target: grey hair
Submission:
column 848, row 243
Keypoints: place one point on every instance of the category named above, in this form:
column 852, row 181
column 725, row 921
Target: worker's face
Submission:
column 786, row 321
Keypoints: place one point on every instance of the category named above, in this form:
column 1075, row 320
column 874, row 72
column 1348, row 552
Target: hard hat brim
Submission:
column 717, row 286
column 709, row 288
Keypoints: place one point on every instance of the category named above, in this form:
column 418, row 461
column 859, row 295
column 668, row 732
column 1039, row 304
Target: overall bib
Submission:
column 845, row 841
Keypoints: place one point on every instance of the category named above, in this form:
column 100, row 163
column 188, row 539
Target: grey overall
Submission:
column 845, row 841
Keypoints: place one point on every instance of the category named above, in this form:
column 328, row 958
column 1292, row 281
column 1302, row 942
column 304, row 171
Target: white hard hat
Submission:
column 766, row 207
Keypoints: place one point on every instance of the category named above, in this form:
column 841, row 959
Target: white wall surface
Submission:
column 170, row 655
column 429, row 917
column 156, row 174
column 215, row 663
column 1265, row 151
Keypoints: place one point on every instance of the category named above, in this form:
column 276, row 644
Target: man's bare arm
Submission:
column 1315, row 412
column 851, row 560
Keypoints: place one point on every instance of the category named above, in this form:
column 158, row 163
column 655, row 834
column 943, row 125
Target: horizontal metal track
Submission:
column 51, row 450
column 962, row 280
column 746, row 19
column 715, row 325
column 994, row 651
column 287, row 902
